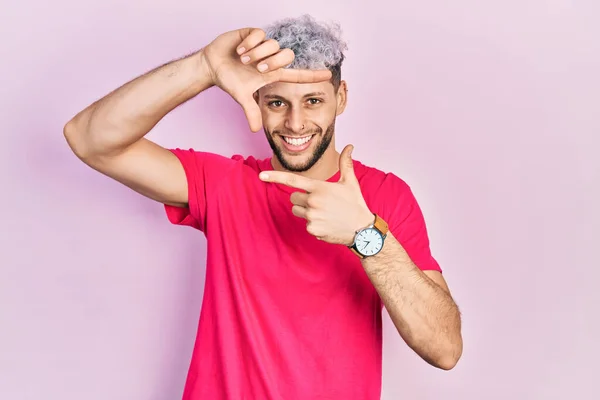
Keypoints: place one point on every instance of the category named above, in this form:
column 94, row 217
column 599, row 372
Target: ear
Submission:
column 342, row 97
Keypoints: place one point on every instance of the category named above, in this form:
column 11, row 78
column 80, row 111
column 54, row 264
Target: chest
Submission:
column 266, row 248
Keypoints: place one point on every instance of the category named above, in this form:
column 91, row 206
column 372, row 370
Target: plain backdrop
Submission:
column 488, row 109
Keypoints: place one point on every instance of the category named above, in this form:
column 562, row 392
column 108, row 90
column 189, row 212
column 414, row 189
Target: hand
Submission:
column 333, row 211
column 223, row 58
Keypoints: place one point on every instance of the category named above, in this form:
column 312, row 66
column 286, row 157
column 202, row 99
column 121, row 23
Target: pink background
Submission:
column 489, row 109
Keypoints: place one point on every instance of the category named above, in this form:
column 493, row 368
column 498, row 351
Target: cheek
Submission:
column 326, row 125
column 325, row 116
column 271, row 119
column 269, row 125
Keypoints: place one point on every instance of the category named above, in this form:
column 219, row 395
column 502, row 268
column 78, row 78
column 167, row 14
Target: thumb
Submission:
column 347, row 165
column 252, row 112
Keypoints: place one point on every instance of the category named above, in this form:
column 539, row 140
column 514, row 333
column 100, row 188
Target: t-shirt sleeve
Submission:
column 205, row 172
column 407, row 224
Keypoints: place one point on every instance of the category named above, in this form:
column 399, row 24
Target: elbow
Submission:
column 72, row 134
column 86, row 144
column 444, row 356
column 447, row 363
column 76, row 133
column 449, row 358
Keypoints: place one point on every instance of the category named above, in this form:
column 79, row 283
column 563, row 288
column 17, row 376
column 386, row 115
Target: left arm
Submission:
column 419, row 303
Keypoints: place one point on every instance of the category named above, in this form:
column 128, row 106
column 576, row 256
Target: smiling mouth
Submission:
column 297, row 144
column 294, row 141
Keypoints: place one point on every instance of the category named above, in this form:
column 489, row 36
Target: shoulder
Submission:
column 209, row 160
column 386, row 194
column 375, row 181
column 253, row 163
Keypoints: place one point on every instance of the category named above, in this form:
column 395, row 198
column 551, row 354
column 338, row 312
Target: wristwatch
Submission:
column 369, row 241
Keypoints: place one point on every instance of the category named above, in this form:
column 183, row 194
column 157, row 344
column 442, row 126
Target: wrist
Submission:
column 363, row 220
column 367, row 219
column 202, row 75
column 370, row 237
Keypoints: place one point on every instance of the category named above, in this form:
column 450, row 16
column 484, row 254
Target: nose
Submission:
column 295, row 121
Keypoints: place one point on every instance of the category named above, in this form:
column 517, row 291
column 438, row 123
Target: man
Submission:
column 305, row 247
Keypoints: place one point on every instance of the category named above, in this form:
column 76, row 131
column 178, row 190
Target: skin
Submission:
column 297, row 110
column 109, row 136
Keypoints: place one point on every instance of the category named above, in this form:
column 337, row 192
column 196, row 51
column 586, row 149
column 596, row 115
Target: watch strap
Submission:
column 381, row 225
column 353, row 248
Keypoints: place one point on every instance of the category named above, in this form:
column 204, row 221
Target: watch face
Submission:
column 369, row 242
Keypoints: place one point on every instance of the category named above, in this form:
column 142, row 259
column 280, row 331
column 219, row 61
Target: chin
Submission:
column 300, row 153
column 296, row 162
column 297, row 166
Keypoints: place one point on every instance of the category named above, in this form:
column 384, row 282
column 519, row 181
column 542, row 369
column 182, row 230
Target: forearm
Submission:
column 424, row 313
column 128, row 113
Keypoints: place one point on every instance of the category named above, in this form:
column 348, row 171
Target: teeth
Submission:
column 297, row 142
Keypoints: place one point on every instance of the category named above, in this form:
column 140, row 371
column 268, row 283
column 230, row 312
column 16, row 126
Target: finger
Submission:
column 299, row 199
column 260, row 52
column 279, row 60
column 252, row 112
column 289, row 179
column 347, row 165
column 253, row 39
column 311, row 228
column 299, row 211
column 294, row 75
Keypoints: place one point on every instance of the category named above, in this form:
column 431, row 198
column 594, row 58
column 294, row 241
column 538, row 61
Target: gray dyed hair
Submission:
column 316, row 45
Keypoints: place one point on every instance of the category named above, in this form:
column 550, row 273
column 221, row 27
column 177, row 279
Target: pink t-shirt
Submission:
column 284, row 315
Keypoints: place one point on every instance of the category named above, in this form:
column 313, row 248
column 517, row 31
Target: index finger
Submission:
column 289, row 179
column 250, row 38
column 293, row 75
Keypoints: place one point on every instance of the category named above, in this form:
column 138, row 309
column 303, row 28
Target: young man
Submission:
column 305, row 247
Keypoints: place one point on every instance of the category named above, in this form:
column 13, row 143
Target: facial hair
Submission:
column 322, row 146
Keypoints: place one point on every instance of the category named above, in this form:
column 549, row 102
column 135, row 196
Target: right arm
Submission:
column 109, row 134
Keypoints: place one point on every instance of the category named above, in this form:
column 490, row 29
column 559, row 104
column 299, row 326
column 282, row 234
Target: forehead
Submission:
column 297, row 90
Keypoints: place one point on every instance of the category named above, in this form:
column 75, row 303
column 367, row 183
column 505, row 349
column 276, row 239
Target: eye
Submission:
column 275, row 103
column 314, row 101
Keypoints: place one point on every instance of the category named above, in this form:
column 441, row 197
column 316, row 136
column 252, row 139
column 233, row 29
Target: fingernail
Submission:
column 263, row 175
column 245, row 59
column 263, row 67
column 241, row 50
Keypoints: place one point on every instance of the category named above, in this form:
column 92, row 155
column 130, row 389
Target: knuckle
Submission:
column 290, row 181
column 313, row 201
column 287, row 55
column 309, row 214
column 274, row 43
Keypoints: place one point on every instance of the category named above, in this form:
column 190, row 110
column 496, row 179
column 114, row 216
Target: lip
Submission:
column 296, row 149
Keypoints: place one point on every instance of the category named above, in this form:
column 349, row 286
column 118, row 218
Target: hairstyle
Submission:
column 316, row 45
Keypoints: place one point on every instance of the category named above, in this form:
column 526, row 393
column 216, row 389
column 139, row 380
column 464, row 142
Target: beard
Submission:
column 324, row 140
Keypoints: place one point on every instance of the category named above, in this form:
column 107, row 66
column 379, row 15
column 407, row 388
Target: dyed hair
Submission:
column 316, row 45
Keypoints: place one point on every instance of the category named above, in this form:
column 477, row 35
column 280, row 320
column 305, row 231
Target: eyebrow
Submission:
column 313, row 94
